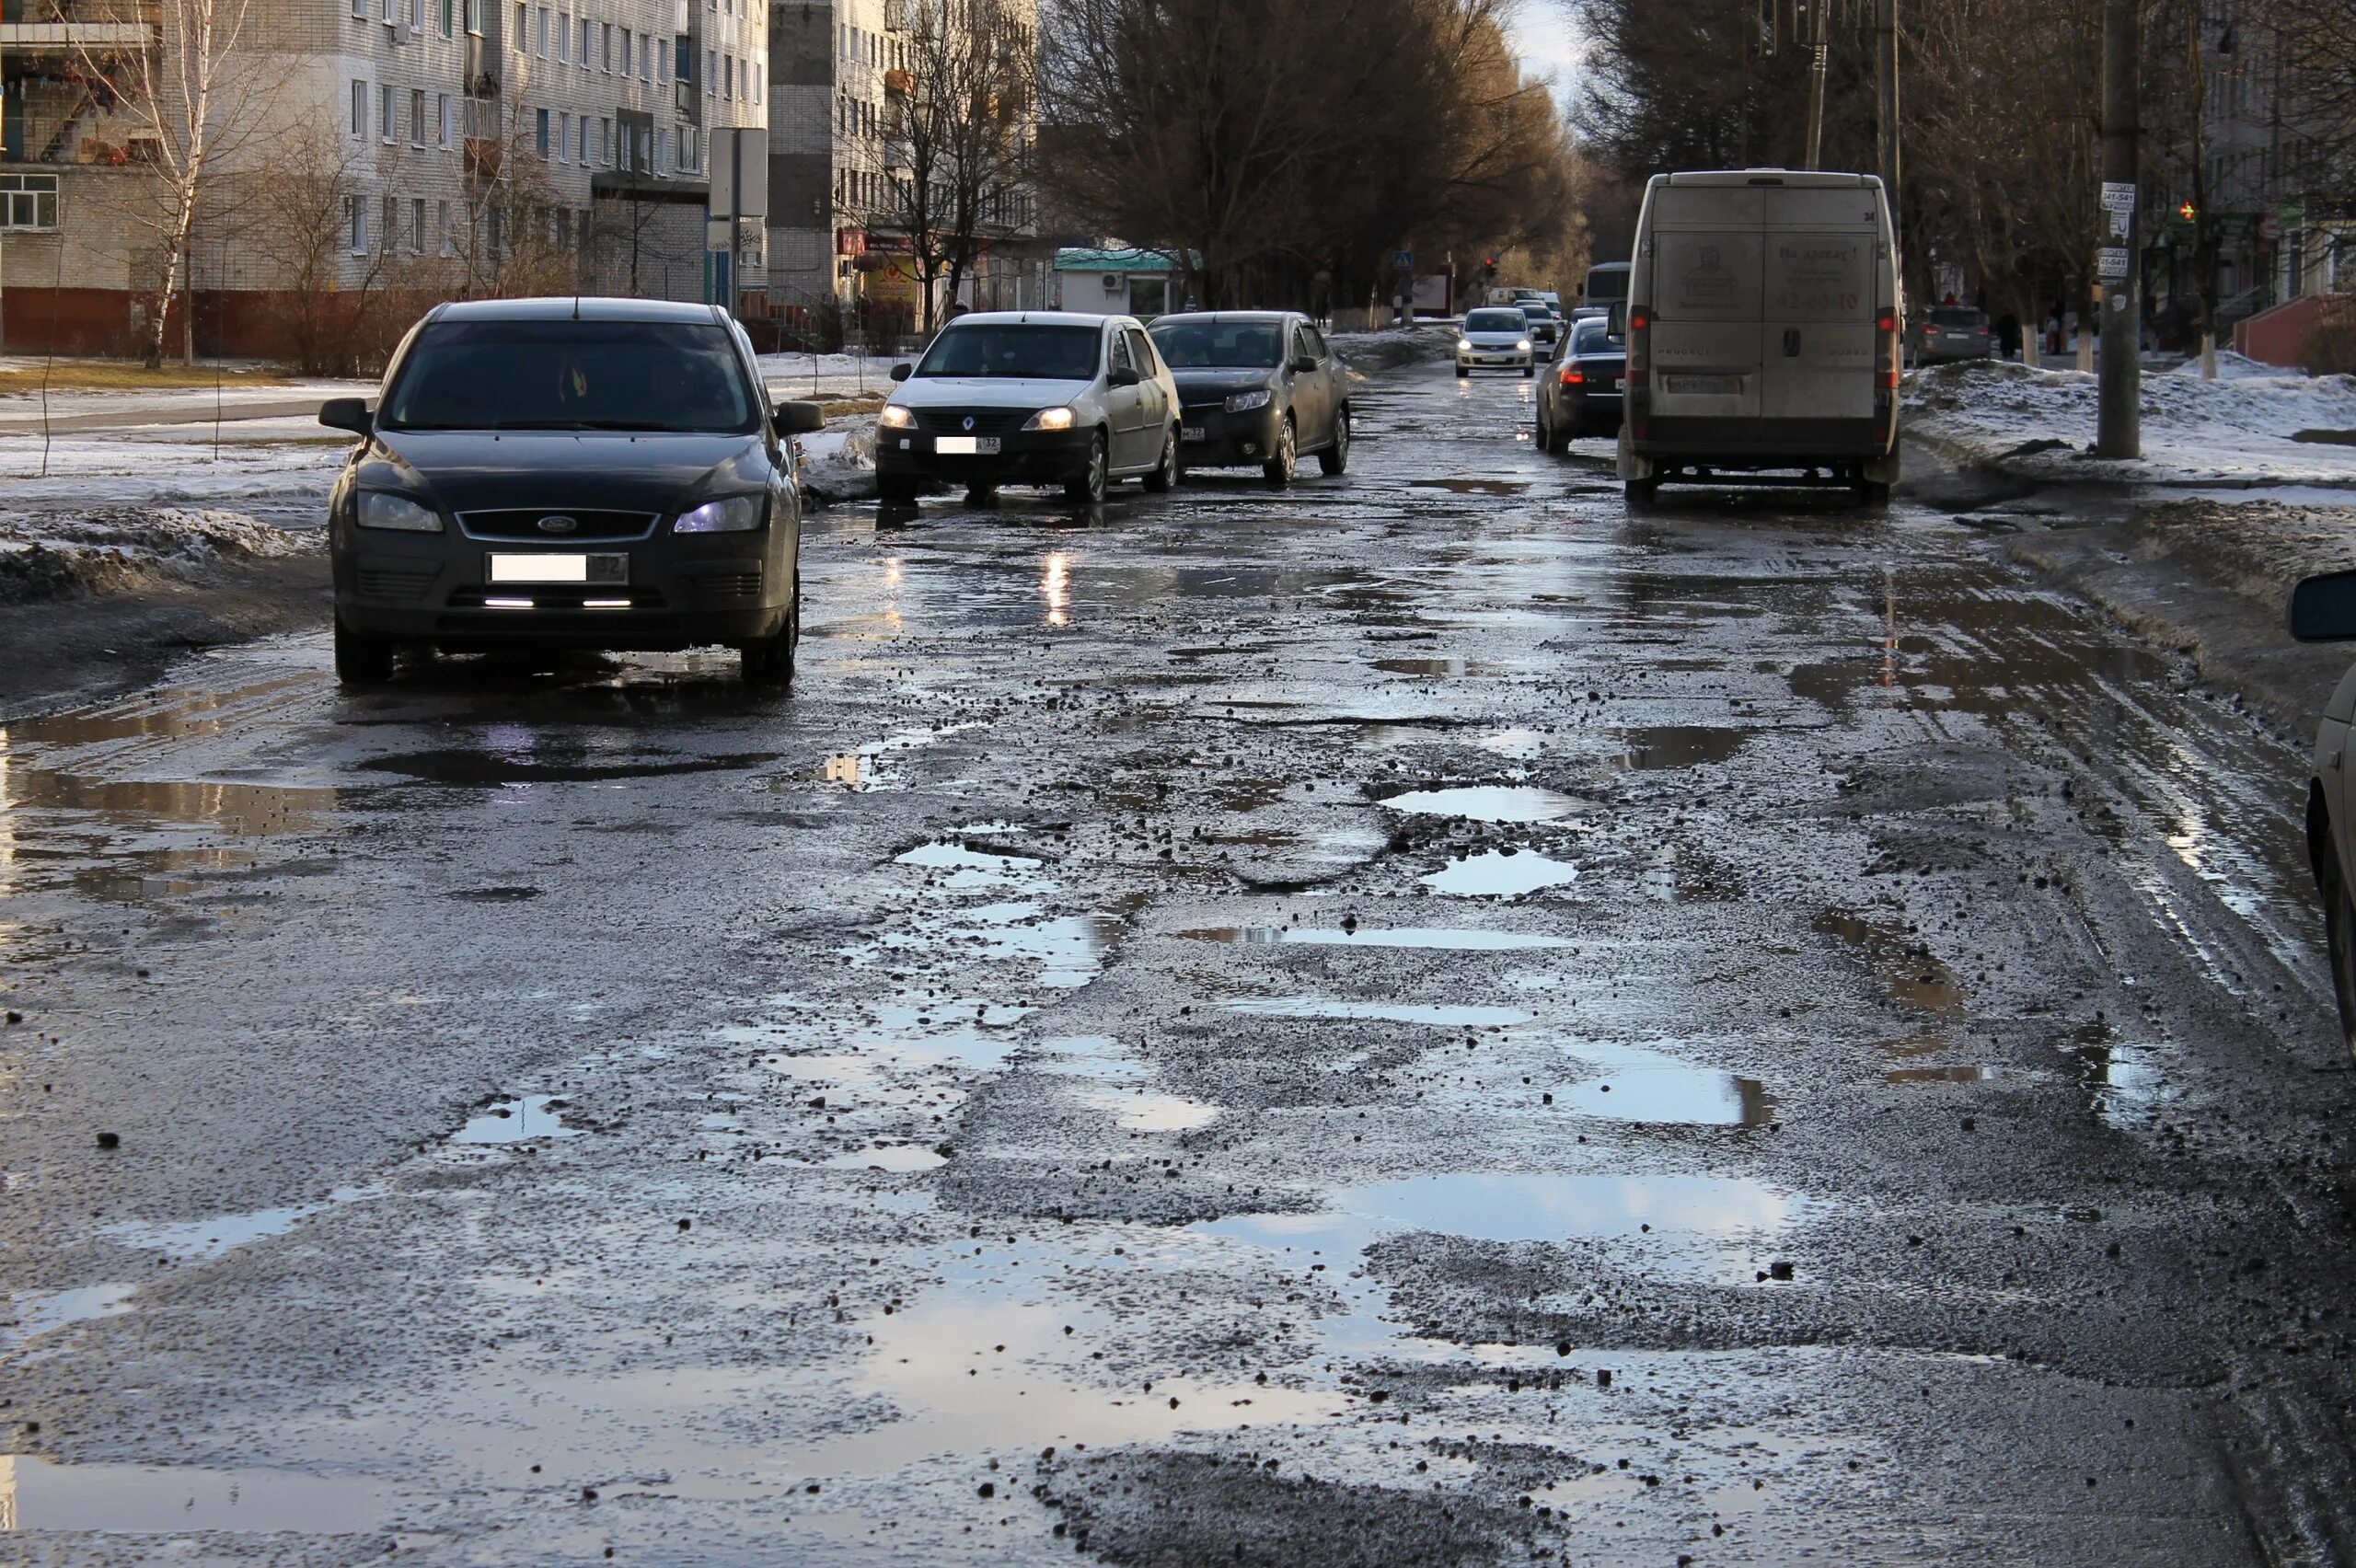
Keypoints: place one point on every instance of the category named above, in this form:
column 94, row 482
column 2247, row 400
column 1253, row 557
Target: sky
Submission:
column 1546, row 37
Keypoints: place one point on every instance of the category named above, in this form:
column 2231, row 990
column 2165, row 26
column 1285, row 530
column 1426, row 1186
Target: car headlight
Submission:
column 735, row 514
column 1463, row 345
column 1523, row 345
column 893, row 417
column 1049, row 419
column 1243, row 402
column 379, row 509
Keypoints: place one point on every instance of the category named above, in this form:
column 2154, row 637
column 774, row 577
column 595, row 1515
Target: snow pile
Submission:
column 1366, row 353
column 2231, row 366
column 828, row 376
column 49, row 556
column 838, row 463
column 2037, row 423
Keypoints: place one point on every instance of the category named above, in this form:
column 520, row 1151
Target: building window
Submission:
column 710, row 71
column 584, row 43
column 563, row 29
column 581, row 140
column 359, row 108
column 522, row 28
column 563, row 135
column 387, row 228
column 27, row 200
column 540, row 32
column 385, row 121
column 355, row 223
column 442, row 118
column 605, row 48
column 417, row 117
column 474, row 17
column 442, row 226
column 449, row 17
column 417, row 225
column 540, row 117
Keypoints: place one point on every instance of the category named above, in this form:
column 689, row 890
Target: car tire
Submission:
column 1279, row 469
column 1643, row 494
column 2340, row 938
column 1541, row 428
column 1529, row 372
column 1873, row 495
column 981, row 495
column 1164, row 477
column 1335, row 458
column 1464, row 372
column 895, row 492
column 361, row 660
column 768, row 663
column 1570, row 431
column 1087, row 486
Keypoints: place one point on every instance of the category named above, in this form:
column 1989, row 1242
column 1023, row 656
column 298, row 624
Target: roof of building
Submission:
column 1081, row 258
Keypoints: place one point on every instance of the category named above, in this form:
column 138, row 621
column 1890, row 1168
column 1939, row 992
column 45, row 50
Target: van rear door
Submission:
column 1706, row 267
column 1816, row 330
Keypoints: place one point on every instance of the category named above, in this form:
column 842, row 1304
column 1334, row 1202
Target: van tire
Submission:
column 1873, row 495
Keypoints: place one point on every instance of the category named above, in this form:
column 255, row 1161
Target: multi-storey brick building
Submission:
column 457, row 131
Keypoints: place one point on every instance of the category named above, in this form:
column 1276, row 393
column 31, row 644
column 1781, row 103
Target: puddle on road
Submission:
column 1069, row 949
column 548, row 765
column 851, row 769
column 243, row 810
column 1378, row 1012
column 1121, row 1086
column 1488, row 802
column 1428, row 937
column 1455, row 668
column 165, row 713
column 970, row 867
column 1672, row 746
column 1913, row 976
column 1500, row 873
column 516, row 1121
column 1942, row 1074
column 1694, row 1096
column 1472, row 486
column 39, row 1311
column 197, row 1240
column 41, row 1494
column 898, row 1159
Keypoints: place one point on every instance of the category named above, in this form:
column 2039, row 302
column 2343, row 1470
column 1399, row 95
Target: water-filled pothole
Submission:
column 1693, row 1096
column 1431, row 939
column 1439, row 1015
column 175, row 1499
column 1500, row 873
column 1488, row 802
column 196, row 1240
column 1906, row 968
column 515, row 1121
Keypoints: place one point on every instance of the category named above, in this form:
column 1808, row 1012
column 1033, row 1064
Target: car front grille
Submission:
column 985, row 422
column 401, row 584
column 524, row 522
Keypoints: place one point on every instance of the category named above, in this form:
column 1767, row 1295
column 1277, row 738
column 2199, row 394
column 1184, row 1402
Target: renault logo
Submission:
column 559, row 525
column 969, row 421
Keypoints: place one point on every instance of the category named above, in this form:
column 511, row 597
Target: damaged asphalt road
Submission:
column 1418, row 1020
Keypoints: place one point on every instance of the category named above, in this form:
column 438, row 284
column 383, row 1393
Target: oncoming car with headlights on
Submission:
column 589, row 473
column 1495, row 337
column 1033, row 396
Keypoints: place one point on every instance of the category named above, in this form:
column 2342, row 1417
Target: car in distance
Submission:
column 1494, row 338
column 1607, row 285
column 1255, row 387
column 1545, row 330
column 1033, row 396
column 1948, row 333
column 1762, row 333
column 568, row 473
column 1579, row 395
column 2323, row 609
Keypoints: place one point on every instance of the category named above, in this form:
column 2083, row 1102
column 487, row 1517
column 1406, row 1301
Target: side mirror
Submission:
column 800, row 418
column 1122, row 376
column 1304, row 364
column 347, row 413
column 2323, row 609
column 902, row 371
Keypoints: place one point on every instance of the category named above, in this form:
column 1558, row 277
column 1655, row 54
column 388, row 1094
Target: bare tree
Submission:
column 197, row 101
column 507, row 244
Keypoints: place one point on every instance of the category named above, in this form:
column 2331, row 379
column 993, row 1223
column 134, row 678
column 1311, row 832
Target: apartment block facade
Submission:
column 448, row 125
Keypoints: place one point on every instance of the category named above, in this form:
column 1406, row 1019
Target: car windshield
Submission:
column 1956, row 317
column 563, row 375
column 1024, row 350
column 1220, row 345
column 1497, row 321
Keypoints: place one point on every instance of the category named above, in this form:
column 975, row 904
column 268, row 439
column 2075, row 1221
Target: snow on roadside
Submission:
column 2037, row 423
column 838, row 463
column 47, row 555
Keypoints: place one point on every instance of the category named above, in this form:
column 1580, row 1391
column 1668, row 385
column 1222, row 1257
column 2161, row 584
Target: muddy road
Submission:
column 1422, row 1020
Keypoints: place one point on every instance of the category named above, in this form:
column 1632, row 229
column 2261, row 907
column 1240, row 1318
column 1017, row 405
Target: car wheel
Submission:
column 1336, row 458
column 1542, row 428
column 2339, row 936
column 1165, row 473
column 895, row 492
column 1528, row 371
column 1643, row 494
column 981, row 495
column 769, row 662
column 1874, row 494
column 1278, row 468
column 1464, row 372
column 1087, row 486
column 361, row 660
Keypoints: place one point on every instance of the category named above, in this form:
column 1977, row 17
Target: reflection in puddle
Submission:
column 896, row 1158
column 1378, row 1012
column 544, row 765
column 1452, row 667
column 1472, row 486
column 1941, row 1075
column 198, row 1239
column 246, row 810
column 1069, row 949
column 850, row 768
column 1488, row 802
column 1911, row 975
column 1120, row 1085
column 1423, row 937
column 1500, row 873
column 1677, row 1094
column 514, row 1121
column 39, row 1311
column 1672, row 746
column 40, row 1494
column 970, row 867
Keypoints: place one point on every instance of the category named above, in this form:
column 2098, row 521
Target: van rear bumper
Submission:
column 1759, row 444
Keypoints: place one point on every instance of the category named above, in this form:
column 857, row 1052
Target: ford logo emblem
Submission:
column 559, row 525
column 969, row 421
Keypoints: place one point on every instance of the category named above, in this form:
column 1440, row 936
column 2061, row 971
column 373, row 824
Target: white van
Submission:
column 1763, row 333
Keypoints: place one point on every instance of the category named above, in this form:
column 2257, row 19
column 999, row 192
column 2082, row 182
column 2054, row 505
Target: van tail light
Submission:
column 1886, row 347
column 1640, row 346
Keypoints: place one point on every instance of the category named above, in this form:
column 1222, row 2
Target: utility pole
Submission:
column 2118, row 429
column 1817, row 18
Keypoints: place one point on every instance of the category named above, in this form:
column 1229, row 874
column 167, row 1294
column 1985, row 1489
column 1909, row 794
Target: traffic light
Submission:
column 2185, row 212
column 1488, row 268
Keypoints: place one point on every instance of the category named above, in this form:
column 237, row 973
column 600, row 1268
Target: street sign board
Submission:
column 1402, row 260
column 2112, row 262
column 2292, row 215
column 2118, row 196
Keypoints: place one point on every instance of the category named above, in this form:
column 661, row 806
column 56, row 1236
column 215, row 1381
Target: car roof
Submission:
column 1036, row 318
column 576, row 308
column 1248, row 315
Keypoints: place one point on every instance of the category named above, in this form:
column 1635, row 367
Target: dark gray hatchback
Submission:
column 591, row 473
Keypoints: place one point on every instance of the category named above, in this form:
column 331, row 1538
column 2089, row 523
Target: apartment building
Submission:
column 456, row 132
column 839, row 71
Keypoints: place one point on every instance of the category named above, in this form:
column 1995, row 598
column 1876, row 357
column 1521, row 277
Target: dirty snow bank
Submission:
column 838, row 463
column 51, row 556
column 1367, row 352
column 2036, row 424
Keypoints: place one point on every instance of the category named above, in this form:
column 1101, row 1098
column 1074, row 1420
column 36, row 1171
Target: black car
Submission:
column 577, row 473
column 1580, row 393
column 1257, row 388
column 1545, row 327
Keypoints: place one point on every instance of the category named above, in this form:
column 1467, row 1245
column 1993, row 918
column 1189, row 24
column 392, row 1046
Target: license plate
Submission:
column 1612, row 385
column 1702, row 385
column 614, row 567
column 1196, row 433
column 966, row 445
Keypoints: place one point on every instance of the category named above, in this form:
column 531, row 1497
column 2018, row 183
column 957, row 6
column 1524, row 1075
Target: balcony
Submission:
column 72, row 39
column 483, row 158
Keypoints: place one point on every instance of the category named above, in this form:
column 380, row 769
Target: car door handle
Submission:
column 2332, row 762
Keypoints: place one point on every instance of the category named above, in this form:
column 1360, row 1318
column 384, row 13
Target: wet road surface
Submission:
column 1417, row 1021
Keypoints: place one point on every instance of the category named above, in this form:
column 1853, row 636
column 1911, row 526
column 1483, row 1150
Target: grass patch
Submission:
column 128, row 376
